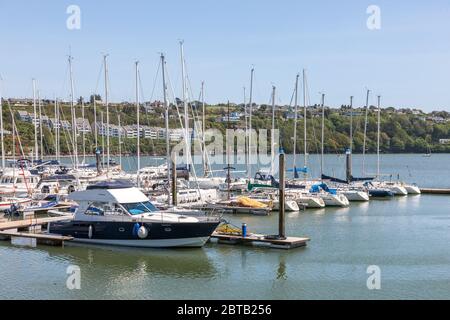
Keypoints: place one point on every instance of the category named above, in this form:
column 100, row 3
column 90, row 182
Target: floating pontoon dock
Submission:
column 287, row 243
column 27, row 223
column 434, row 191
column 41, row 238
column 13, row 230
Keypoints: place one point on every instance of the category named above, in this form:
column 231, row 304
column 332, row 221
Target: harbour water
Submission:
column 407, row 238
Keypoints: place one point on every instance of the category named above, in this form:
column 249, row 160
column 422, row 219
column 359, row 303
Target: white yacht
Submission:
column 116, row 213
column 18, row 181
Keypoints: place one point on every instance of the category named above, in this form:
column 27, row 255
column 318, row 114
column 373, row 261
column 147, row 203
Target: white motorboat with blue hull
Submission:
column 115, row 213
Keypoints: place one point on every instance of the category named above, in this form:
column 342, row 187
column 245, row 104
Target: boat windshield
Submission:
column 139, row 208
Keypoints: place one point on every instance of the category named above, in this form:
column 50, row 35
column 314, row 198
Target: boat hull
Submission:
column 356, row 195
column 381, row 193
column 290, row 205
column 311, row 202
column 399, row 190
column 412, row 189
column 335, row 200
column 160, row 234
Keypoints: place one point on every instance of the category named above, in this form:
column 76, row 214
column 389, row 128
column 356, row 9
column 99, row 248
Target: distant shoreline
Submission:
column 199, row 155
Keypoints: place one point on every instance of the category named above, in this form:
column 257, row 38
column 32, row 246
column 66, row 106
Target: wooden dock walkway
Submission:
column 434, row 191
column 13, row 230
column 41, row 238
column 288, row 243
column 21, row 224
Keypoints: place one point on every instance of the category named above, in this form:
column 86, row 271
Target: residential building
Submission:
column 65, row 125
column 130, row 131
column 54, row 124
column 115, row 131
column 24, row 116
column 83, row 126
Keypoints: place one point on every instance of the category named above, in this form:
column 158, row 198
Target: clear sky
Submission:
column 407, row 61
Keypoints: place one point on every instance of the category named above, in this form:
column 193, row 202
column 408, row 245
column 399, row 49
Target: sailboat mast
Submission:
column 295, row 122
column 73, row 111
column 250, row 128
column 138, row 147
column 305, row 111
column 323, row 137
column 103, row 137
column 56, row 124
column 272, row 148
column 1, row 130
column 246, row 127
column 166, row 107
column 205, row 164
column 349, row 152
column 84, row 131
column 185, row 105
column 378, row 136
column 228, row 155
column 95, row 123
column 108, row 158
column 120, row 140
column 365, row 133
column 13, row 143
column 351, row 124
column 41, row 137
column 36, row 151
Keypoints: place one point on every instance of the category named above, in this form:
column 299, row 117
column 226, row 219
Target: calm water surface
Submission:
column 408, row 238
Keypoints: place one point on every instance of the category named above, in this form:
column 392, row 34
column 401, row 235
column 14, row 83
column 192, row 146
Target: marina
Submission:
column 344, row 242
column 234, row 151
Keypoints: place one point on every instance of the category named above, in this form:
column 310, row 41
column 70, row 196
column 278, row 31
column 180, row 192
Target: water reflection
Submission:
column 281, row 272
column 176, row 263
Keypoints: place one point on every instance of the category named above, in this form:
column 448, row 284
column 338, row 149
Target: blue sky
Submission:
column 407, row 61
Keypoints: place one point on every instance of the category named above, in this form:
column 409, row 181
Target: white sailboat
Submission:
column 329, row 197
column 396, row 188
column 302, row 196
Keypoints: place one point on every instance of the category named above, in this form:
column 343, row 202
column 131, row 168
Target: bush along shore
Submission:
column 402, row 131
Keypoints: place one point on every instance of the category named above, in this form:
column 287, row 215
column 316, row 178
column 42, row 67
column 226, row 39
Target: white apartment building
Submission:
column 83, row 126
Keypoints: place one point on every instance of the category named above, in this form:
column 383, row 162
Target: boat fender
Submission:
column 143, row 232
column 91, row 231
column 136, row 228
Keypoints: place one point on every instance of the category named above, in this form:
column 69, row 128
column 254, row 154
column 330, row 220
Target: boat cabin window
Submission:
column 96, row 209
column 139, row 208
column 8, row 180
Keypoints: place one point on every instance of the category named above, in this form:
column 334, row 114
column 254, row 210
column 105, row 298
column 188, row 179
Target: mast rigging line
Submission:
column 183, row 128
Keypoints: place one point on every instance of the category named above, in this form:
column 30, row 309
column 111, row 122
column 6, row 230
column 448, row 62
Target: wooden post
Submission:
column 281, row 224
column 174, row 181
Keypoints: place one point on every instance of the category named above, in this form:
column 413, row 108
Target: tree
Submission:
column 95, row 97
